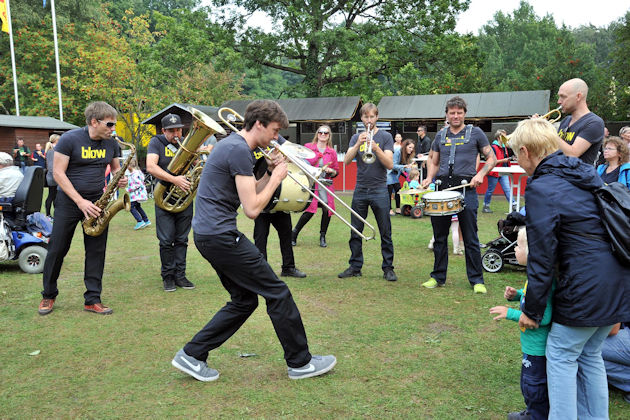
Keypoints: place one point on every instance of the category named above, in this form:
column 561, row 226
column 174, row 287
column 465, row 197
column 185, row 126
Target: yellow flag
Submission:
column 3, row 16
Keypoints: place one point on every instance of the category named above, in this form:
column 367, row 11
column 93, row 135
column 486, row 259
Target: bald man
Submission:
column 581, row 132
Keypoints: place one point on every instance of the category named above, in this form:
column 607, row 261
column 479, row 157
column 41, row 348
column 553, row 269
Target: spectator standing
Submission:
column 21, row 154
column 616, row 167
column 50, row 179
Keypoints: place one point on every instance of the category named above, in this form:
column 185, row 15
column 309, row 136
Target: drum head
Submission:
column 441, row 195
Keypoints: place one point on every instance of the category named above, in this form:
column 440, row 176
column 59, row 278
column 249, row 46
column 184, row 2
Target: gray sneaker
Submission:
column 195, row 368
column 317, row 366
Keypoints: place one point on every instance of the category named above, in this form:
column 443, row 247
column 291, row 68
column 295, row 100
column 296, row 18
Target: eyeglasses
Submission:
column 325, row 133
column 610, row 149
column 109, row 124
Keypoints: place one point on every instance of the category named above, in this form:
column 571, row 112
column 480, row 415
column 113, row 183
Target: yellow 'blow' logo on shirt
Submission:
column 362, row 147
column 567, row 136
column 168, row 152
column 88, row 153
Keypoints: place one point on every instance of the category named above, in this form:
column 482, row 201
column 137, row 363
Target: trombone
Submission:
column 233, row 116
column 368, row 156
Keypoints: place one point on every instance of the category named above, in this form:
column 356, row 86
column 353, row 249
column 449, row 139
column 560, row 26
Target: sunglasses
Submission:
column 109, row 124
column 323, row 132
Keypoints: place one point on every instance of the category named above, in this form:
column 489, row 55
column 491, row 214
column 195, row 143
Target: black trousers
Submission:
column 172, row 230
column 52, row 193
column 468, row 222
column 245, row 274
column 281, row 221
column 67, row 215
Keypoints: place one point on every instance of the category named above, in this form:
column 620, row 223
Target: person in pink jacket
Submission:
column 325, row 158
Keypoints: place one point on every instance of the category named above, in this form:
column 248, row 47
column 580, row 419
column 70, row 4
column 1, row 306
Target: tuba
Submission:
column 95, row 226
column 186, row 162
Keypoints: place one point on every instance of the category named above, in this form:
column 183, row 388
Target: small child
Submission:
column 533, row 344
column 137, row 193
column 414, row 178
column 456, row 234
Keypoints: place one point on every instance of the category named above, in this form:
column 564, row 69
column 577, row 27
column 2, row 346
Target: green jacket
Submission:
column 533, row 342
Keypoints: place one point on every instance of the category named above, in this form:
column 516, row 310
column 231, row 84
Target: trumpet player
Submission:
column 172, row 229
column 375, row 150
column 228, row 181
column 81, row 156
column 582, row 131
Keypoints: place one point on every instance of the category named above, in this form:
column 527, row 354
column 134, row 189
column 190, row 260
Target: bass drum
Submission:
column 289, row 196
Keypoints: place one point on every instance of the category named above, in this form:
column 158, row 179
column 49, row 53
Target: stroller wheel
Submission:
column 492, row 260
column 416, row 212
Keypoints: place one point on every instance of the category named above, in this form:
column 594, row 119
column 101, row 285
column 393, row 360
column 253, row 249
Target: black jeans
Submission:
column 534, row 386
column 172, row 230
column 52, row 193
column 468, row 222
column 281, row 221
column 245, row 274
column 378, row 200
column 67, row 215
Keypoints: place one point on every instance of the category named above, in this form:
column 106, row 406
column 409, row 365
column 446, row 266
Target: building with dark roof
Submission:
column 32, row 129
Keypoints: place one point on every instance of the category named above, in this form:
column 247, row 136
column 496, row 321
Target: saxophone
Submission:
column 95, row 226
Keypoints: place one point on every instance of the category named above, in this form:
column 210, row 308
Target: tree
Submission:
column 329, row 42
column 620, row 69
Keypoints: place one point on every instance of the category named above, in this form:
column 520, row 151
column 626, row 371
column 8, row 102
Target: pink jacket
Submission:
column 329, row 156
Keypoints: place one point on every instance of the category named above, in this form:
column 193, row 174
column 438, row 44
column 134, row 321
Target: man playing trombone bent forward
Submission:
column 226, row 182
column 371, row 191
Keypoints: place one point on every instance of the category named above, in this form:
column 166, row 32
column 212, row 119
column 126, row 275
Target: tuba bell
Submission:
column 186, row 162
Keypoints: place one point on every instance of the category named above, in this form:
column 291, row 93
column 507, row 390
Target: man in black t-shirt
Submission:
column 454, row 160
column 21, row 154
column 371, row 192
column 423, row 147
column 281, row 221
column 81, row 156
column 172, row 229
column 580, row 133
column 227, row 181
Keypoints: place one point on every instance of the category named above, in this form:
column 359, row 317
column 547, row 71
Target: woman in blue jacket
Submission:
column 592, row 290
column 616, row 168
column 403, row 159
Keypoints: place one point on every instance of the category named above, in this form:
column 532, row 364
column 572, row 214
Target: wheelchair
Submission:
column 24, row 232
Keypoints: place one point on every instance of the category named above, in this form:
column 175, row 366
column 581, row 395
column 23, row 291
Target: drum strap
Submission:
column 451, row 156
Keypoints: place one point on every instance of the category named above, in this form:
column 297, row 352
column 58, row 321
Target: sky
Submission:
column 572, row 13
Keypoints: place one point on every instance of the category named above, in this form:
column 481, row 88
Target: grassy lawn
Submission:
column 403, row 351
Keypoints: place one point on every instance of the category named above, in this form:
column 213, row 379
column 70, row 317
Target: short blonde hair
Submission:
column 538, row 135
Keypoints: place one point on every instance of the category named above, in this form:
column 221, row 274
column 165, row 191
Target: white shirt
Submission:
column 10, row 179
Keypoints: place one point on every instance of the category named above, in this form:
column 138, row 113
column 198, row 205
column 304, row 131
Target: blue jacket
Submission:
column 592, row 287
column 393, row 174
column 624, row 173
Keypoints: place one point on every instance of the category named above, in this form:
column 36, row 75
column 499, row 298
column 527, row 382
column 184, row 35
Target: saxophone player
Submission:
column 81, row 156
column 172, row 228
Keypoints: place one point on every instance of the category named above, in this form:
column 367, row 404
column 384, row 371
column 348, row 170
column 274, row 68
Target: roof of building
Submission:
column 42, row 123
column 310, row 109
column 485, row 105
column 182, row 111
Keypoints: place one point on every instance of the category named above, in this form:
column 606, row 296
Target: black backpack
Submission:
column 614, row 207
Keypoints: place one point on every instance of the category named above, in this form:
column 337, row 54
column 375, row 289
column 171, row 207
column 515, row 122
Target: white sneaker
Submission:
column 431, row 243
column 458, row 251
column 317, row 366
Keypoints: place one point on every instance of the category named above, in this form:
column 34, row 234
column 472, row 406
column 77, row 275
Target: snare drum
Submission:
column 290, row 196
column 442, row 203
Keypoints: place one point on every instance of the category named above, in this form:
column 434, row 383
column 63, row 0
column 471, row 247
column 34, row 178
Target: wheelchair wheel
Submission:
column 417, row 212
column 492, row 260
column 405, row 210
column 31, row 259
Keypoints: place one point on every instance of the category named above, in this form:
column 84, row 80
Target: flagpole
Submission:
column 15, row 86
column 54, row 23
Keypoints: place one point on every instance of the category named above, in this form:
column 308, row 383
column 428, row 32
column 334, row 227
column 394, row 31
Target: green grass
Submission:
column 403, row 351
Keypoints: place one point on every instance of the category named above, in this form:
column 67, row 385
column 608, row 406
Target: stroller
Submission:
column 24, row 232
column 501, row 250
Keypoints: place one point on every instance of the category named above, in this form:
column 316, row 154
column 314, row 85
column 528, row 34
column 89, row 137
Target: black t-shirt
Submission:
column 217, row 198
column 465, row 153
column 88, row 159
column 424, row 145
column 590, row 127
column 374, row 174
column 611, row 177
column 163, row 148
column 22, row 158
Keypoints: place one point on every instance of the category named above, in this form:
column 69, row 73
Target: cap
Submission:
column 172, row 121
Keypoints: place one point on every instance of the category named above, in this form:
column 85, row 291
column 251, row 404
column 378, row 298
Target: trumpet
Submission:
column 368, row 156
column 233, row 116
column 504, row 139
